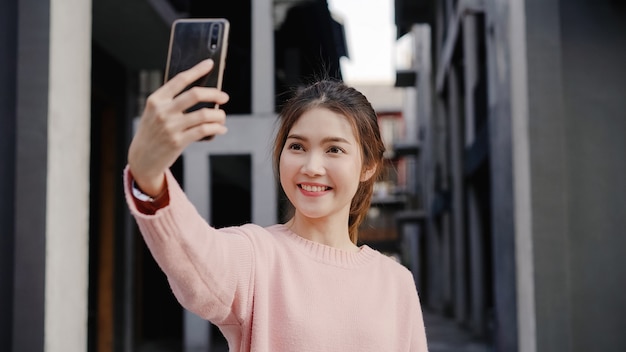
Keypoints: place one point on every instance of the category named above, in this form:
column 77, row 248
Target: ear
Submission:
column 368, row 173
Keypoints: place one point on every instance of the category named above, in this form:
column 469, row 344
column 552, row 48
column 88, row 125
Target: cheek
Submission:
column 349, row 173
column 283, row 168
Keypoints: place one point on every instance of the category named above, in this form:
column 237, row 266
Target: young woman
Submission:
column 299, row 286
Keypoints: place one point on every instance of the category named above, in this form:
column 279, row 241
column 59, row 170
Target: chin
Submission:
column 312, row 214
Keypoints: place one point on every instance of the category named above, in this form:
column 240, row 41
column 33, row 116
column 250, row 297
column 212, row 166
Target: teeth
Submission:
column 313, row 188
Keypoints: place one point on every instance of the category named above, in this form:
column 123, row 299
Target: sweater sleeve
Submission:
column 209, row 270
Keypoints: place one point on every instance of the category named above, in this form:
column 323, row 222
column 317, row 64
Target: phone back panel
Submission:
column 194, row 40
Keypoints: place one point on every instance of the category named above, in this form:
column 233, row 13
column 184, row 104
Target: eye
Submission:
column 295, row 146
column 335, row 150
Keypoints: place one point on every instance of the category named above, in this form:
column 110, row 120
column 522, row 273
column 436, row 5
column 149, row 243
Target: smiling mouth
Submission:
column 310, row 188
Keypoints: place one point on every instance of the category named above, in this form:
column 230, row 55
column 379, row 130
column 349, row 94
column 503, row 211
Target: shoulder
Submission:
column 395, row 273
column 392, row 265
column 246, row 229
column 260, row 237
column 252, row 230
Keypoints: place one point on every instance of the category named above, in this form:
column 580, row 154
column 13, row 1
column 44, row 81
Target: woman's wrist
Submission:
column 146, row 203
column 150, row 186
column 142, row 196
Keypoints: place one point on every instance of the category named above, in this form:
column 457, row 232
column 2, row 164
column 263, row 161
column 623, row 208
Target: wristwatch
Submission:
column 137, row 193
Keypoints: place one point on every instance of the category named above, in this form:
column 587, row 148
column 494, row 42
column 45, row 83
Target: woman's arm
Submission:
column 209, row 271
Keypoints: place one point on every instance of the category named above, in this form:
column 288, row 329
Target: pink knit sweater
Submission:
column 270, row 290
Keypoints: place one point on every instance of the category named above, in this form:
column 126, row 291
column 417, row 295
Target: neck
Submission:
column 328, row 233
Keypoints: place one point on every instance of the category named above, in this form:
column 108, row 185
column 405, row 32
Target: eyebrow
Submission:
column 325, row 140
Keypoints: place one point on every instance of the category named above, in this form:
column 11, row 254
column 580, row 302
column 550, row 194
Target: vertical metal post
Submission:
column 458, row 216
column 470, row 72
column 445, row 223
column 474, row 228
column 507, row 94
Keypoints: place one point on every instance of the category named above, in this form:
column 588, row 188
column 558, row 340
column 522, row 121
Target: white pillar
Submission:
column 67, row 201
column 262, row 57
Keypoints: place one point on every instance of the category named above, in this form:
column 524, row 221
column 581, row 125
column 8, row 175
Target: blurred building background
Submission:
column 504, row 193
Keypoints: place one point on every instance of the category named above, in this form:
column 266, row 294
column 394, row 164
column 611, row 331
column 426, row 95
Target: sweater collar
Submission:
column 328, row 254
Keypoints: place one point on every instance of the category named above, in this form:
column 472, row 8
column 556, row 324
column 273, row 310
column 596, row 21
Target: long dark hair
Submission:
column 347, row 101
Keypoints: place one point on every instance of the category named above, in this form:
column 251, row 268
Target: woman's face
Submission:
column 320, row 164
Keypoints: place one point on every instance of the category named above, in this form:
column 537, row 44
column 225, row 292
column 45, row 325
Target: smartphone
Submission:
column 193, row 40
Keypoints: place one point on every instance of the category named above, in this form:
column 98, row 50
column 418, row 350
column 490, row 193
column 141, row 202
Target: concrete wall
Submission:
column 576, row 51
column 548, row 176
column 593, row 47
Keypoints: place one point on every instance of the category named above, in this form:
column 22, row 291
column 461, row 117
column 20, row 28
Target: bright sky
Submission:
column 370, row 33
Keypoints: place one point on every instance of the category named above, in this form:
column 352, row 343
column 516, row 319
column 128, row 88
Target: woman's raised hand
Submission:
column 165, row 130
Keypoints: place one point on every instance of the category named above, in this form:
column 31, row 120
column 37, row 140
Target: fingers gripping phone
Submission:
column 194, row 40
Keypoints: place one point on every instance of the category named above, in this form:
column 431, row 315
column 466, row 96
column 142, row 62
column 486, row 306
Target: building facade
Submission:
column 522, row 157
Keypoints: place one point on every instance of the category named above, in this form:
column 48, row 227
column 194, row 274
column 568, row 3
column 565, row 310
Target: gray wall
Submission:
column 8, row 43
column 576, row 51
column 548, row 176
column 594, row 91
column 31, row 162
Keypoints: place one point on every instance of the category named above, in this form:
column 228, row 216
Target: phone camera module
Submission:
column 214, row 37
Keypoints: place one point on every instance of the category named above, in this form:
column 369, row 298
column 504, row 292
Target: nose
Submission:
column 313, row 165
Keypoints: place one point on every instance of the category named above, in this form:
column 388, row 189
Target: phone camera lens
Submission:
column 214, row 37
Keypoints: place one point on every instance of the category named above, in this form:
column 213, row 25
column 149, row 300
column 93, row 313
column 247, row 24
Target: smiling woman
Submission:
column 320, row 171
column 324, row 113
column 303, row 285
